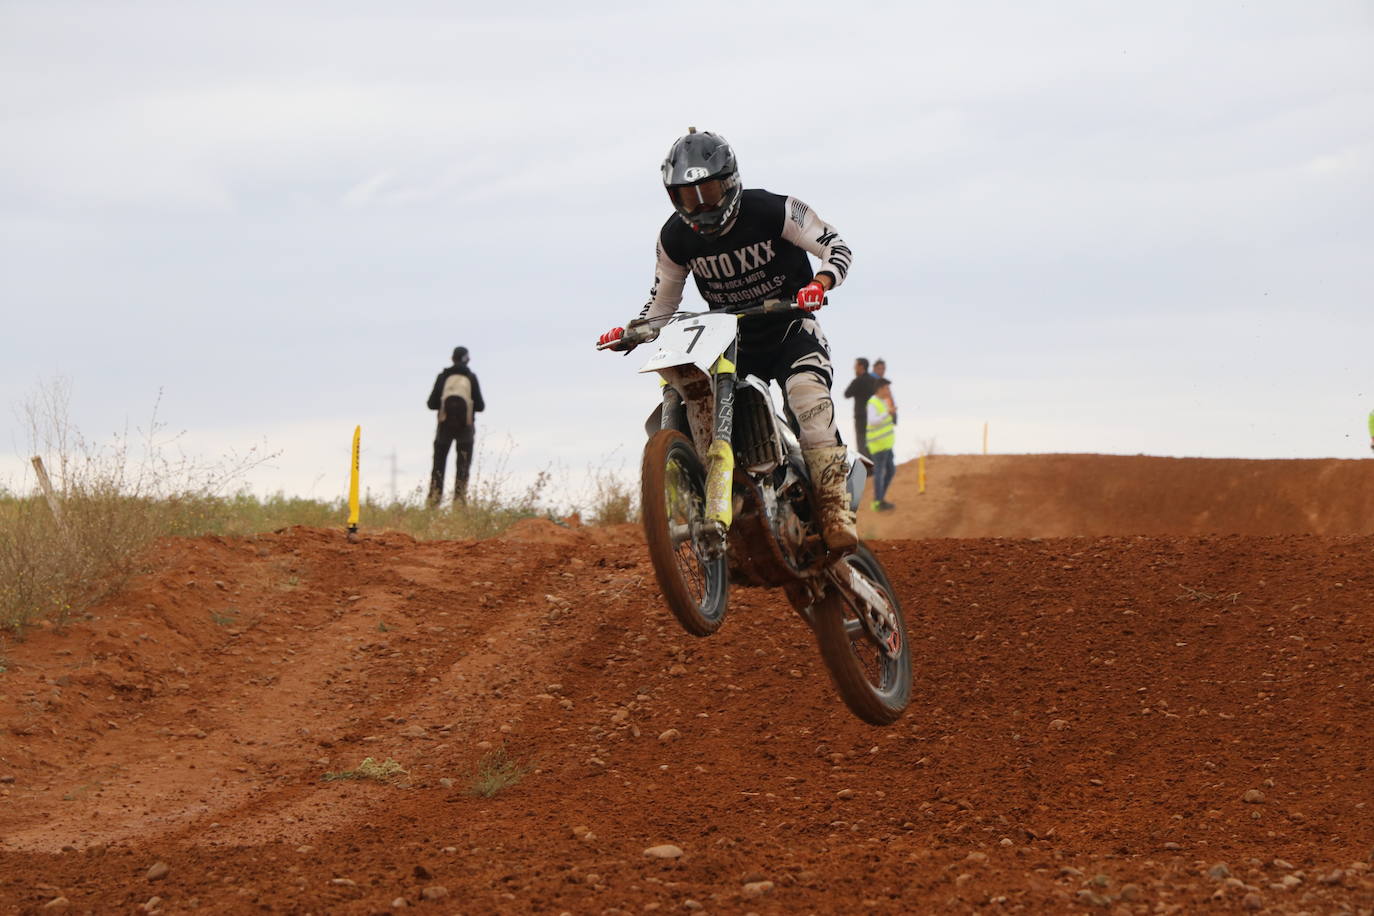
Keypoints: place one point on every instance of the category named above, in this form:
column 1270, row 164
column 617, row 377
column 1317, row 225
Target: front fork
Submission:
column 719, row 452
column 720, row 456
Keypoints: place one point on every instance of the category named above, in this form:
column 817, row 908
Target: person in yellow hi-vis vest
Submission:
column 882, row 436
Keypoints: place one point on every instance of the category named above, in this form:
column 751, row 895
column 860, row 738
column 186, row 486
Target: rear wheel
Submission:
column 865, row 649
column 688, row 562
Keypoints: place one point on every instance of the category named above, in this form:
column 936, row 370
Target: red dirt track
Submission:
column 1098, row 722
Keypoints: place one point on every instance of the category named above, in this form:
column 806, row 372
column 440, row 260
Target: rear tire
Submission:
column 673, row 504
column 875, row 686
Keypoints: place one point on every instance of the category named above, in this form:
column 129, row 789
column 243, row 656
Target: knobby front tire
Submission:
column 673, row 504
column 875, row 687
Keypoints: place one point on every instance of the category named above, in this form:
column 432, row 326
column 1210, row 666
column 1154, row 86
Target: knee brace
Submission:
column 809, row 397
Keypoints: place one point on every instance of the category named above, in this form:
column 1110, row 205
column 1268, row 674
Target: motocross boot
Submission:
column 829, row 476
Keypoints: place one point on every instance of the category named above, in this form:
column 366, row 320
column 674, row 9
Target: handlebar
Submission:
column 768, row 307
column 643, row 330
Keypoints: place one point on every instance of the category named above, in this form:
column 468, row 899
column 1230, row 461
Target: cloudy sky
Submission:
column 1097, row 227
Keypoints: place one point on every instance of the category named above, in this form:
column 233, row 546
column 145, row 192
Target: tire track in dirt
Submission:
column 294, row 681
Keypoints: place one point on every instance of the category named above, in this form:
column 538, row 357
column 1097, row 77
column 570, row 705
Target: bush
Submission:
column 386, row 771
column 495, row 772
column 613, row 501
column 55, row 560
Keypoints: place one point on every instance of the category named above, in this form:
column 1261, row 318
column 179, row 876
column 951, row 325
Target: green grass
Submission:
column 496, row 771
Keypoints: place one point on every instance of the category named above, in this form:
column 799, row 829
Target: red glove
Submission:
column 611, row 336
column 811, row 296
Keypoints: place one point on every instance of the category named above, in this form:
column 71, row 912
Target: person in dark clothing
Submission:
column 861, row 389
column 458, row 397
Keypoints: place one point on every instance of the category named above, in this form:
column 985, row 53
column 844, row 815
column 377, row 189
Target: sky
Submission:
column 1094, row 227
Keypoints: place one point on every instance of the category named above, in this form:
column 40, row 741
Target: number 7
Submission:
column 698, row 329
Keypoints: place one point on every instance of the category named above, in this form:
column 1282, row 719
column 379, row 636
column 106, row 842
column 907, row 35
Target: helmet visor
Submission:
column 698, row 198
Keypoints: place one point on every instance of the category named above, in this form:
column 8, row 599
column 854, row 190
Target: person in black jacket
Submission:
column 864, row 385
column 457, row 396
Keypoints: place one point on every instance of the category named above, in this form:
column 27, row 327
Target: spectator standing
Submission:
column 880, row 371
column 882, row 436
column 458, row 397
column 861, row 389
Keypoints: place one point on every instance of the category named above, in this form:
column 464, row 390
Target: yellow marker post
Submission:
column 985, row 437
column 921, row 475
column 353, row 487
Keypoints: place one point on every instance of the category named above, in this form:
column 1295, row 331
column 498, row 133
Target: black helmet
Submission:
column 703, row 181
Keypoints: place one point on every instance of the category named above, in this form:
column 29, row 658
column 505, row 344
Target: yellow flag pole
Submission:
column 353, row 487
column 921, row 474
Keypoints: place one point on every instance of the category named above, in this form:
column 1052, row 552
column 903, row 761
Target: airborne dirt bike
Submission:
column 726, row 497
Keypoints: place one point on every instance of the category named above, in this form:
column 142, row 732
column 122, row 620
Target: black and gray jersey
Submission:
column 762, row 256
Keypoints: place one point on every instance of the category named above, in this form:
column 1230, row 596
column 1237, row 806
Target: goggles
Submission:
column 698, row 198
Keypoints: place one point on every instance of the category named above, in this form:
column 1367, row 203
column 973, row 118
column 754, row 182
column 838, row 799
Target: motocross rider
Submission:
column 742, row 246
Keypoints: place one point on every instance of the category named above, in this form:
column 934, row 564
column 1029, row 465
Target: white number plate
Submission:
column 695, row 341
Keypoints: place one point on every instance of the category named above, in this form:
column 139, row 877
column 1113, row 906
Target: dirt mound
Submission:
column 1013, row 496
column 1096, row 722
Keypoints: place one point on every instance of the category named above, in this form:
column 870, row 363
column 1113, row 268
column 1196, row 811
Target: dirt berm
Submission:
column 1117, row 724
column 1011, row 496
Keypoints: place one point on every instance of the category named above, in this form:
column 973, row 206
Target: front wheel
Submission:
column 689, row 560
column 862, row 636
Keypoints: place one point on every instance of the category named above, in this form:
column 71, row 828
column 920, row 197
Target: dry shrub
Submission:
column 493, row 503
column 113, row 501
column 609, row 496
column 495, row 772
column 387, row 771
column 613, row 500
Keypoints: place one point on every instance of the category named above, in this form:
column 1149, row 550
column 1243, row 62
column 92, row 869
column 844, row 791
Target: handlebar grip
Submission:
column 633, row 336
